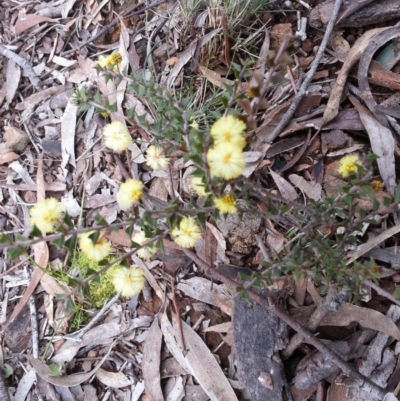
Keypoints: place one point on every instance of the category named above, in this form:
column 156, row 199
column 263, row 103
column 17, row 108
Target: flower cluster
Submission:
column 129, row 193
column 113, row 59
column 94, row 250
column 226, row 159
column 226, row 204
column 129, row 281
column 187, row 233
column 155, row 158
column 47, row 214
column 349, row 165
column 146, row 252
column 116, row 136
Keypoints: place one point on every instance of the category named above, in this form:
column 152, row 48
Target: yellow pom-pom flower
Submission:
column 47, row 214
column 187, row 234
column 129, row 193
column 199, row 187
column 155, row 158
column 129, row 281
column 146, row 252
column 113, row 59
column 116, row 136
column 377, row 185
column 94, row 251
column 229, row 129
column 226, row 161
column 226, row 204
column 349, row 165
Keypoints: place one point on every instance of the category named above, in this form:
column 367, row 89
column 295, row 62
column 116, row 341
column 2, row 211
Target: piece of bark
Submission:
column 372, row 13
column 258, row 337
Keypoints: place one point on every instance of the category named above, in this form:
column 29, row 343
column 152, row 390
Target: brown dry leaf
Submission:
column 353, row 56
column 366, row 317
column 100, row 335
column 382, row 144
column 13, row 76
column 171, row 61
column 205, row 291
column 171, row 341
column 151, row 362
column 219, row 328
column 312, row 189
column 113, row 379
column 285, row 188
column 149, row 277
column 38, row 97
column 30, row 21
column 8, row 157
column 364, row 248
column 204, row 367
column 214, row 77
column 75, row 379
column 25, row 385
column 188, row 54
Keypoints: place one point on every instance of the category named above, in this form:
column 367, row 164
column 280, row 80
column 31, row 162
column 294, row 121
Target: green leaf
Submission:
column 397, row 194
column 244, row 296
column 129, row 230
column 396, row 293
column 5, row 239
column 94, row 237
column 59, row 242
column 70, row 244
column 68, row 221
column 7, row 371
column 15, row 251
column 100, row 221
column 36, row 232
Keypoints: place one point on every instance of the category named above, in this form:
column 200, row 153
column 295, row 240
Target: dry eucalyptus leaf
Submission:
column 113, row 379
column 368, row 318
column 151, row 363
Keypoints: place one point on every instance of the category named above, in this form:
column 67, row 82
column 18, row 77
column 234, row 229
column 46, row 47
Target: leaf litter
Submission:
column 127, row 350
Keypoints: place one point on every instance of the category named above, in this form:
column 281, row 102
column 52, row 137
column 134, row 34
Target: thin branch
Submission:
column 314, row 65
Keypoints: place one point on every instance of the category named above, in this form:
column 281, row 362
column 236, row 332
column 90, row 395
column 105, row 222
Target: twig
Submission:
column 314, row 65
column 381, row 292
column 178, row 320
column 24, row 64
column 270, row 304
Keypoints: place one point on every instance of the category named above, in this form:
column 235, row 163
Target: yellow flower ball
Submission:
column 155, row 158
column 146, row 252
column 47, row 214
column 98, row 251
column 129, row 193
column 377, row 185
column 226, row 161
column 113, row 59
column 349, row 165
column 116, row 136
column 226, row 204
column 199, row 187
column 187, row 234
column 229, row 129
column 130, row 281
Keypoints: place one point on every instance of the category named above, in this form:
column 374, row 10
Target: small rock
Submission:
column 16, row 139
